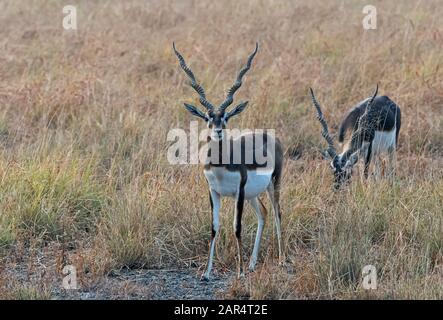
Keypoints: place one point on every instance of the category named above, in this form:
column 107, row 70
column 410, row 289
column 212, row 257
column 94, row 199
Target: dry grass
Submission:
column 84, row 117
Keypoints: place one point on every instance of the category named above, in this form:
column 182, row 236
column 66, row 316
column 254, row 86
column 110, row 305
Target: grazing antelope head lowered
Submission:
column 239, row 177
column 375, row 124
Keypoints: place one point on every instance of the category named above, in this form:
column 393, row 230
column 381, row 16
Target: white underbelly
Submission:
column 383, row 142
column 257, row 183
column 227, row 183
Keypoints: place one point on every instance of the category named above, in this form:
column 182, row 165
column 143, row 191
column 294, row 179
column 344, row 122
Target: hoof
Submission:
column 204, row 277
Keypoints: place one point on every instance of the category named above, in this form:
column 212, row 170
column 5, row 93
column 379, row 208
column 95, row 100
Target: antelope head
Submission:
column 342, row 164
column 216, row 119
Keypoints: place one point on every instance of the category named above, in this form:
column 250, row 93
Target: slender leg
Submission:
column 214, row 198
column 237, row 229
column 368, row 160
column 377, row 165
column 392, row 163
column 274, row 195
column 261, row 213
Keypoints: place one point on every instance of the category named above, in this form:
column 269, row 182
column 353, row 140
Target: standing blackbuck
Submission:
column 240, row 167
column 374, row 124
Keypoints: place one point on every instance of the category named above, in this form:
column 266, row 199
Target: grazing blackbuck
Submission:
column 242, row 167
column 374, row 124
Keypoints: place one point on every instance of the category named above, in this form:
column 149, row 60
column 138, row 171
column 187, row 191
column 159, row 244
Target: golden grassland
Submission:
column 84, row 117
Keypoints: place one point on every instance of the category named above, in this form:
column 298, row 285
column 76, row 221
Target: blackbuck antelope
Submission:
column 375, row 124
column 233, row 168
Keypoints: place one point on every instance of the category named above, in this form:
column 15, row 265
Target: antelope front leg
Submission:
column 377, row 168
column 237, row 230
column 368, row 161
column 392, row 163
column 214, row 198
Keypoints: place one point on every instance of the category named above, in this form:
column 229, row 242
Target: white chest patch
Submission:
column 227, row 183
column 224, row 182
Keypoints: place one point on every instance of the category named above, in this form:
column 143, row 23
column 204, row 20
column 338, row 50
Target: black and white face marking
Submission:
column 342, row 168
column 340, row 175
column 217, row 124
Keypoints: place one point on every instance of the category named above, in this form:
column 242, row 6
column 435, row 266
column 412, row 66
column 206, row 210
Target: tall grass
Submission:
column 84, row 117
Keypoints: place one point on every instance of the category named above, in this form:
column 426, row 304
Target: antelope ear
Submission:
column 352, row 160
column 195, row 111
column 238, row 109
